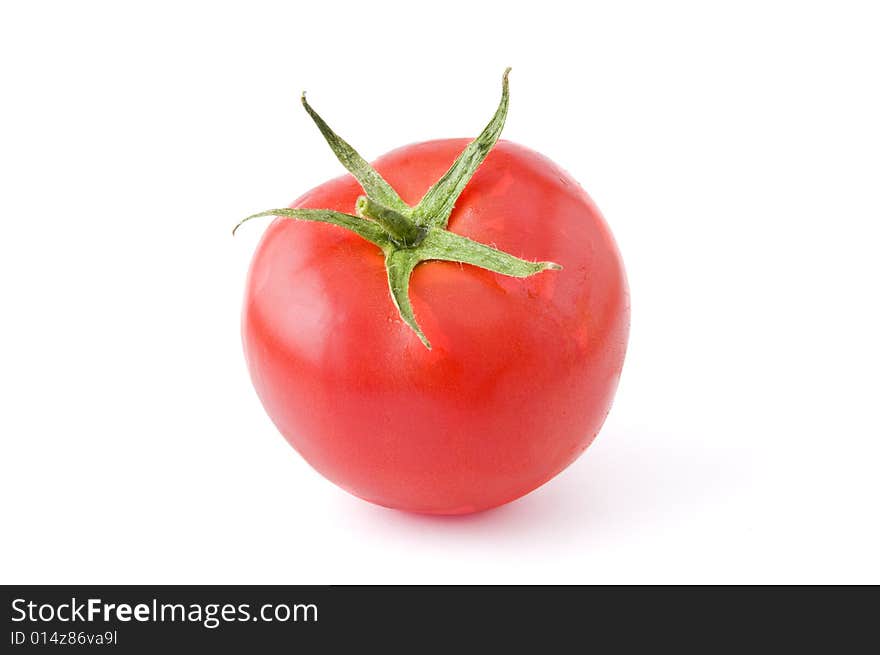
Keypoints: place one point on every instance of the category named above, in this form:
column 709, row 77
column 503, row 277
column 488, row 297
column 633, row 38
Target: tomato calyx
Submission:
column 409, row 235
column 402, row 231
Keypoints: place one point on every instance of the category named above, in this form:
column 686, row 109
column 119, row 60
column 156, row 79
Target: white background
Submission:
column 734, row 151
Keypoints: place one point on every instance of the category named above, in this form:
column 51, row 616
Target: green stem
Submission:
column 438, row 203
column 409, row 236
column 447, row 246
column 363, row 228
column 402, row 230
column 373, row 183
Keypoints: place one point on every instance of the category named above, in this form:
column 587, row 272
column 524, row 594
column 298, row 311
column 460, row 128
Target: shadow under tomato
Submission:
column 625, row 481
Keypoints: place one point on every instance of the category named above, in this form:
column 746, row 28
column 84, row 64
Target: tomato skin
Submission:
column 522, row 371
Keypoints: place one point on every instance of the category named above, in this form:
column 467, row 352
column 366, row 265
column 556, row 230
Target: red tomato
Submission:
column 521, row 373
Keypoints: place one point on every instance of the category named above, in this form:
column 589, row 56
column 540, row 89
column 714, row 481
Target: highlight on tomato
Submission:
column 441, row 331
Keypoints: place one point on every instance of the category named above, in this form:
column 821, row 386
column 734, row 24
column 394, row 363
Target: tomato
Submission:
column 520, row 373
